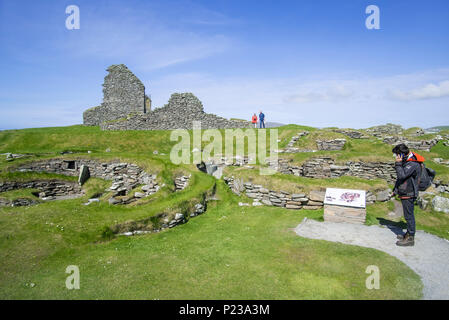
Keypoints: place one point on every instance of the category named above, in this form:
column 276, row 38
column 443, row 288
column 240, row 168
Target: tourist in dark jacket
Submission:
column 408, row 170
column 261, row 120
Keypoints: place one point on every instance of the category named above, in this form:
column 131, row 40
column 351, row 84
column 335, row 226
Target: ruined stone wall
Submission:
column 331, row 145
column 49, row 187
column 126, row 107
column 125, row 176
column 311, row 201
column 96, row 115
column 123, row 94
column 325, row 167
column 387, row 129
column 424, row 145
column 180, row 112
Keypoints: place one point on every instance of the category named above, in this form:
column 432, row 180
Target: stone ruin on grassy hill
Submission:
column 126, row 107
column 123, row 94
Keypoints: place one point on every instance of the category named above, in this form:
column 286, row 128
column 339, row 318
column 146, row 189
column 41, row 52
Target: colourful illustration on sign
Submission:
column 349, row 196
column 345, row 197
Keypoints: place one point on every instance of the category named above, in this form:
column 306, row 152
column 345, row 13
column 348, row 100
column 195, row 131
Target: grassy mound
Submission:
column 229, row 252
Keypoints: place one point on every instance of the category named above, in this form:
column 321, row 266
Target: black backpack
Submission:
column 426, row 178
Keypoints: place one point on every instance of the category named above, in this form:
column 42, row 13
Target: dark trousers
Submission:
column 408, row 206
column 262, row 123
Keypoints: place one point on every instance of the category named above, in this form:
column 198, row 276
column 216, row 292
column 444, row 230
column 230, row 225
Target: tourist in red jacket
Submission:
column 254, row 120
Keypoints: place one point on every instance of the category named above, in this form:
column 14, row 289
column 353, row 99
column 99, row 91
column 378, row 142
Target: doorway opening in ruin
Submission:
column 70, row 165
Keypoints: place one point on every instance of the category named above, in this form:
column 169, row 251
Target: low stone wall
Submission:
column 125, row 176
column 353, row 134
column 47, row 188
column 441, row 187
column 325, row 167
column 19, row 202
column 290, row 146
column 388, row 129
column 424, row 145
column 164, row 221
column 180, row 113
column 277, row 198
column 182, row 182
column 312, row 201
column 331, row 145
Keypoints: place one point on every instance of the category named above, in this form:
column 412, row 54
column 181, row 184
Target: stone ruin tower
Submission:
column 126, row 107
column 123, row 95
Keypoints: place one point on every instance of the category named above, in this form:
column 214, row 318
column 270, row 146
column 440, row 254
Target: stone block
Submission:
column 383, row 196
column 344, row 214
column 84, row 174
column 291, row 206
column 317, row 195
column 311, row 207
column 315, row 203
column 440, row 204
column 252, row 195
column 295, row 203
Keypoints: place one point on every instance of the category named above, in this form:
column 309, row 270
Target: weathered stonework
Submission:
column 440, row 186
column 19, row 202
column 388, row 129
column 290, row 146
column 48, row 188
column 424, row 145
column 263, row 196
column 325, row 167
column 273, row 198
column 125, row 176
column 163, row 220
column 334, row 213
column 180, row 113
column 353, row 134
column 123, row 94
column 331, row 145
column 182, row 182
column 126, row 107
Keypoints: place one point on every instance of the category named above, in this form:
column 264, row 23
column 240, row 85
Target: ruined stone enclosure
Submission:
column 123, row 94
column 126, row 107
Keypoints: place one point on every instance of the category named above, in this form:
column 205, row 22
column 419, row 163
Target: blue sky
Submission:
column 307, row 62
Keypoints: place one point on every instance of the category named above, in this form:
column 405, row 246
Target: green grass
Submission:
column 229, row 252
column 431, row 221
column 22, row 193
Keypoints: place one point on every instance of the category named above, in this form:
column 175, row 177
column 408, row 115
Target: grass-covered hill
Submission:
column 228, row 252
column 439, row 128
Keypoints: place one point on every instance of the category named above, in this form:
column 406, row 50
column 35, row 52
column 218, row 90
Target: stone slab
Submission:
column 344, row 214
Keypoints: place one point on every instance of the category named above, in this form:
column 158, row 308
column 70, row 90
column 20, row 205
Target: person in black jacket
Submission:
column 408, row 169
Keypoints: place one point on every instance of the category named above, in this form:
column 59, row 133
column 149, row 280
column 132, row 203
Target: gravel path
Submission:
column 429, row 258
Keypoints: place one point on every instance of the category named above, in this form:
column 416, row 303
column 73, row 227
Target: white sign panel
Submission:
column 345, row 197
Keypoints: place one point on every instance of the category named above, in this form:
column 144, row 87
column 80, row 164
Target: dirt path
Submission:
column 429, row 258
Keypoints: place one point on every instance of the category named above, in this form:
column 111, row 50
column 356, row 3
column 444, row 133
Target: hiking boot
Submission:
column 408, row 241
column 403, row 236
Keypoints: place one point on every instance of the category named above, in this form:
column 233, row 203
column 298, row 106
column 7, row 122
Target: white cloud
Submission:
column 348, row 102
column 332, row 93
column 203, row 16
column 147, row 36
column 428, row 91
column 147, row 45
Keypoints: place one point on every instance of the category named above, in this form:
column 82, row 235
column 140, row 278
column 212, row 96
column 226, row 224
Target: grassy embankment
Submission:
column 229, row 252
